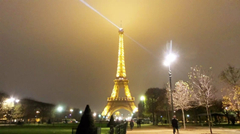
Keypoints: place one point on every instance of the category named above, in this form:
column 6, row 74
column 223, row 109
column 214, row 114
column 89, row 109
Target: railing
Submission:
column 98, row 130
column 121, row 99
column 121, row 128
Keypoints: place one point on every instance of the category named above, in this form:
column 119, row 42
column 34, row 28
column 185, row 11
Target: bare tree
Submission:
column 182, row 98
column 201, row 82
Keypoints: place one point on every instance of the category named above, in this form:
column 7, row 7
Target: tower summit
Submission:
column 115, row 102
column 121, row 71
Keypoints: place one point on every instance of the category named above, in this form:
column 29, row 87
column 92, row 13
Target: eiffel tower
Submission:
column 115, row 102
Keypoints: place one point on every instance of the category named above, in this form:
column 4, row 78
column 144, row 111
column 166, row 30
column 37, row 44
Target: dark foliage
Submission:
column 86, row 125
column 49, row 121
column 111, row 122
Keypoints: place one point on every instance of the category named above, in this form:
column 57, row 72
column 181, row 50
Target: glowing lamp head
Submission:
column 17, row 100
column 142, row 98
column 169, row 59
column 71, row 110
column 94, row 114
column 60, row 109
column 120, row 30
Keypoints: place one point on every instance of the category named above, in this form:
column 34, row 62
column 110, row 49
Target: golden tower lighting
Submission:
column 114, row 102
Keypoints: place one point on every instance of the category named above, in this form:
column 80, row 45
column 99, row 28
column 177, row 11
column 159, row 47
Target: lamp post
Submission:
column 226, row 109
column 171, row 57
column 59, row 109
column 80, row 112
column 142, row 99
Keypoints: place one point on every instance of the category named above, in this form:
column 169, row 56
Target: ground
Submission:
column 145, row 129
column 149, row 129
column 187, row 131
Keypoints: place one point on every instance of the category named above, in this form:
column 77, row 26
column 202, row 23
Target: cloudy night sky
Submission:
column 62, row 52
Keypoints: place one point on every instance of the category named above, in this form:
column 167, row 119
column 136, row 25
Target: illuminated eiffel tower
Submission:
column 115, row 102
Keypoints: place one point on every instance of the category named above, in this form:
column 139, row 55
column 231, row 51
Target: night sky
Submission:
column 62, row 52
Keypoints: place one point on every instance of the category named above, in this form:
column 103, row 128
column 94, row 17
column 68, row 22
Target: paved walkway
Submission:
column 187, row 131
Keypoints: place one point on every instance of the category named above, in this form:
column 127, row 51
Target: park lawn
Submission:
column 43, row 129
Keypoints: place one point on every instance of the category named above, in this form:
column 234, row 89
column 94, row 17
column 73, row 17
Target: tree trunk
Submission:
column 209, row 124
column 153, row 118
column 153, row 112
column 183, row 119
column 238, row 114
column 169, row 121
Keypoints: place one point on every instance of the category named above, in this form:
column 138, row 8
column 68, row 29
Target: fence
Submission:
column 121, row 128
column 98, row 130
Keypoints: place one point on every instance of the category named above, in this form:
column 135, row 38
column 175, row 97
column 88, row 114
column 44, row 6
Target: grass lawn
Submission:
column 44, row 129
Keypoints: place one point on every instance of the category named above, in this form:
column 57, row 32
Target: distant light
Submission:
column 60, row 109
column 135, row 110
column 94, row 114
column 188, row 115
column 99, row 115
column 142, row 98
column 37, row 112
column 161, row 116
column 17, row 100
column 12, row 99
column 80, row 112
column 71, row 110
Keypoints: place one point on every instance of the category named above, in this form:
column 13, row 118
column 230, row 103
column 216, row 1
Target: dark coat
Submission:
column 174, row 123
column 131, row 124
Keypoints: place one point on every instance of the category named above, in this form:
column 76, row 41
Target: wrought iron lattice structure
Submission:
column 115, row 102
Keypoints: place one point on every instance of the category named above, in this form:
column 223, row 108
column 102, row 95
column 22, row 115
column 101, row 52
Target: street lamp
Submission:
column 171, row 57
column 71, row 110
column 226, row 109
column 60, row 109
column 141, row 106
column 142, row 98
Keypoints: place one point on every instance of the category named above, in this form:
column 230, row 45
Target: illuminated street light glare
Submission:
column 94, row 114
column 17, row 100
column 142, row 98
column 12, row 99
column 71, row 110
column 80, row 112
column 167, row 62
column 169, row 59
column 60, row 109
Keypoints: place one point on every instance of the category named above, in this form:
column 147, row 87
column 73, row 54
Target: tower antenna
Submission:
column 121, row 24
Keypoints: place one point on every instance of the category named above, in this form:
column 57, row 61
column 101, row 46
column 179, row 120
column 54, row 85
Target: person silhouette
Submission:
column 131, row 124
column 175, row 124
